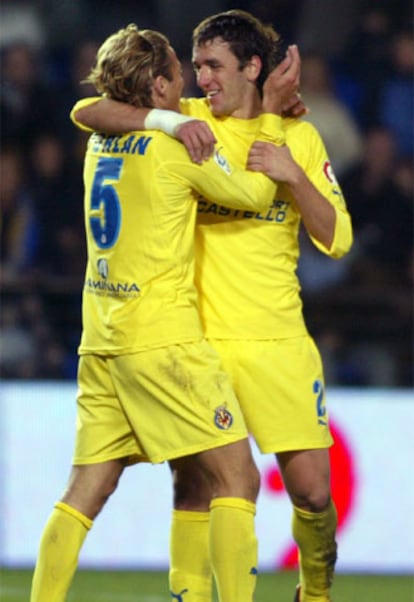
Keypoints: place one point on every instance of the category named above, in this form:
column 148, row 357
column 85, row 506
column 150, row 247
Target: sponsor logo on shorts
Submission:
column 222, row 418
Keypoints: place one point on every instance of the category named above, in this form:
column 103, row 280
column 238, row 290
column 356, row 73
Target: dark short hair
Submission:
column 246, row 36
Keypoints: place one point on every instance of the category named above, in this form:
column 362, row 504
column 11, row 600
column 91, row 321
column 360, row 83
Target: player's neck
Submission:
column 251, row 108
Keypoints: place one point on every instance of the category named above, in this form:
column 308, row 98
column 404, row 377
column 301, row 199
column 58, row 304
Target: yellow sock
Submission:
column 314, row 533
column 190, row 569
column 233, row 548
column 60, row 545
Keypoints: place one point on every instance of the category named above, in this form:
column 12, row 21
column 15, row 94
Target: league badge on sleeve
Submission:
column 329, row 173
column 222, row 162
column 330, row 176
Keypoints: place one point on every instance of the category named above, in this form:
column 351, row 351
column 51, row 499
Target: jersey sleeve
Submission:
column 84, row 102
column 220, row 181
column 312, row 156
column 271, row 129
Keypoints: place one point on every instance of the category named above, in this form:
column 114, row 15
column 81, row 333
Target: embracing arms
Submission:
column 113, row 117
column 317, row 195
column 105, row 115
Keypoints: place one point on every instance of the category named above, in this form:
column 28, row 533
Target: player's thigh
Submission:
column 280, row 387
column 103, row 432
column 90, row 485
column 178, row 400
column 231, row 470
column 197, row 478
column 192, row 489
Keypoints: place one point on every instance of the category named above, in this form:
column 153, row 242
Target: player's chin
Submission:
column 217, row 110
column 216, row 107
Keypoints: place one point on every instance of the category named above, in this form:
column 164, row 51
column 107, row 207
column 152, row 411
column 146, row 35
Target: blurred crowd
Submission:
column 358, row 86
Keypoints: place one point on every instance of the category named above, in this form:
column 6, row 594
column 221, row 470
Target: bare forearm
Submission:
column 318, row 215
column 112, row 116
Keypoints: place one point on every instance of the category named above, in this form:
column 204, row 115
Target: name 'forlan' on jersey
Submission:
column 132, row 144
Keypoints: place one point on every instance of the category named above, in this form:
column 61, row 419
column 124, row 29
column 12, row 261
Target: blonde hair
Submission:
column 128, row 62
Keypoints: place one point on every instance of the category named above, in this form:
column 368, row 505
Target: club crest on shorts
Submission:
column 222, row 418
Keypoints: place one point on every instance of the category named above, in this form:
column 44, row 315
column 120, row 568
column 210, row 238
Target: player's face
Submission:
column 219, row 76
column 174, row 88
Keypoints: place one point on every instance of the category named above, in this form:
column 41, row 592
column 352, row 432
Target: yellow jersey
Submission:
column 140, row 204
column 246, row 260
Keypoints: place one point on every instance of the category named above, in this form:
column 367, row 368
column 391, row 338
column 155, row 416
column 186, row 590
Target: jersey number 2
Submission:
column 320, row 402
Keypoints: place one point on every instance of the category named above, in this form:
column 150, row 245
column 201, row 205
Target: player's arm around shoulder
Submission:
column 83, row 112
column 101, row 114
column 221, row 181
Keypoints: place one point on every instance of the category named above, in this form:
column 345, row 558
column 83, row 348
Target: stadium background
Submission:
column 358, row 65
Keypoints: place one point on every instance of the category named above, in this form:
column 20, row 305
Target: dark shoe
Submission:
column 297, row 594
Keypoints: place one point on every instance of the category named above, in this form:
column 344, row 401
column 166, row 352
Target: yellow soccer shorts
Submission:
column 280, row 388
column 154, row 405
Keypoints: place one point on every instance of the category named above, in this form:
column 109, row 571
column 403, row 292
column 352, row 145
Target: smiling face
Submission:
column 230, row 89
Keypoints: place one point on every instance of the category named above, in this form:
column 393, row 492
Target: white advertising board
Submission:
column 372, row 480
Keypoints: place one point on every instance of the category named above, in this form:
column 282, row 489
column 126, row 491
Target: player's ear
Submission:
column 159, row 85
column 253, row 68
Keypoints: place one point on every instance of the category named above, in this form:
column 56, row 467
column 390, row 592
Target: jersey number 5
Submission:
column 105, row 209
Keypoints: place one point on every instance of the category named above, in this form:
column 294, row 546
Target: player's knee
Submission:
column 254, row 481
column 191, row 493
column 103, row 493
column 247, row 483
column 110, row 487
column 320, row 502
column 316, row 500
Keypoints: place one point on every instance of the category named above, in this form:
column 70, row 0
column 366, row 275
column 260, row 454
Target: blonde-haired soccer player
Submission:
column 250, row 295
column 150, row 387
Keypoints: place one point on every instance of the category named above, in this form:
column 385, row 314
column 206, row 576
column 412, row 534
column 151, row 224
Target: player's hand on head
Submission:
column 282, row 84
column 198, row 139
column 295, row 107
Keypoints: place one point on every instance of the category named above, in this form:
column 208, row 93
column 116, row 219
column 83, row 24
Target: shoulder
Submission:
column 165, row 149
column 305, row 142
column 196, row 107
column 297, row 128
column 301, row 134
